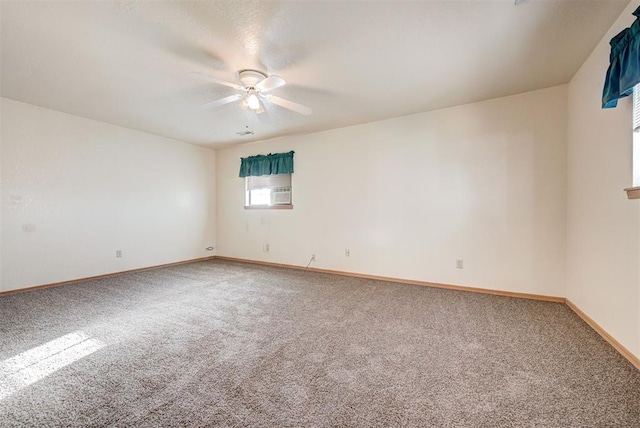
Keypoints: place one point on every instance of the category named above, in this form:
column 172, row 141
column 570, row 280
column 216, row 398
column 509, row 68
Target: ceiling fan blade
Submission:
column 270, row 83
column 298, row 108
column 222, row 101
column 219, row 81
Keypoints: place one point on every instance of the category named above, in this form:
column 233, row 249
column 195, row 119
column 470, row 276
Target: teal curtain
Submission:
column 277, row 163
column 624, row 69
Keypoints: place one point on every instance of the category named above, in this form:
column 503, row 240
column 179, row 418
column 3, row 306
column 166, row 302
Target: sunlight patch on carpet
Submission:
column 37, row 363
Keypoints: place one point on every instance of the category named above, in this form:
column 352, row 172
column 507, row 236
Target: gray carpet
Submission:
column 228, row 344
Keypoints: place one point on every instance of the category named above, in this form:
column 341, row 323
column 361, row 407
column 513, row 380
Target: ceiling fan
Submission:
column 255, row 87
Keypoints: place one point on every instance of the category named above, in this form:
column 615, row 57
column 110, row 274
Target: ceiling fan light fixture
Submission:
column 252, row 101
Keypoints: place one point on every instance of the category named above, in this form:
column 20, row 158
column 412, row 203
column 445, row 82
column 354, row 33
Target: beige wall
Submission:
column 483, row 182
column 74, row 190
column 603, row 240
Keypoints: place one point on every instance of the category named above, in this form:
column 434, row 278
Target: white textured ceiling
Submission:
column 128, row 62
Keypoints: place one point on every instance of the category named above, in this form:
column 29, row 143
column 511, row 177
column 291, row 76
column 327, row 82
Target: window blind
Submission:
column 636, row 108
column 268, row 181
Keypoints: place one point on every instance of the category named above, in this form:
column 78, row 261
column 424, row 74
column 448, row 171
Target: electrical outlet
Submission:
column 347, row 253
column 118, row 254
column 459, row 264
column 313, row 257
column 265, row 248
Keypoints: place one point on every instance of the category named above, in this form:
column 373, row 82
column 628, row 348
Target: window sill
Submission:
column 268, row 207
column 633, row 192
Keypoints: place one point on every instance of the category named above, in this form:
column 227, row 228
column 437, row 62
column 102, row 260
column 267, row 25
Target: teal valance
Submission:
column 624, row 68
column 276, row 163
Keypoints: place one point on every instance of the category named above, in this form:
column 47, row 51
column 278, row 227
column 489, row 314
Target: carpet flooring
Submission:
column 220, row 343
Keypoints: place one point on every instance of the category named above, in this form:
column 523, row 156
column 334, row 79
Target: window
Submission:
column 268, row 191
column 634, row 192
column 636, row 136
column 267, row 180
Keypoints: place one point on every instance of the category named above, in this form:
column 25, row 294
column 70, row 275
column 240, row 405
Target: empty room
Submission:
column 320, row 213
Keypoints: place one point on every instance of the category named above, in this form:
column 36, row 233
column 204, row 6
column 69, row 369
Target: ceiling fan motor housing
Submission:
column 251, row 78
